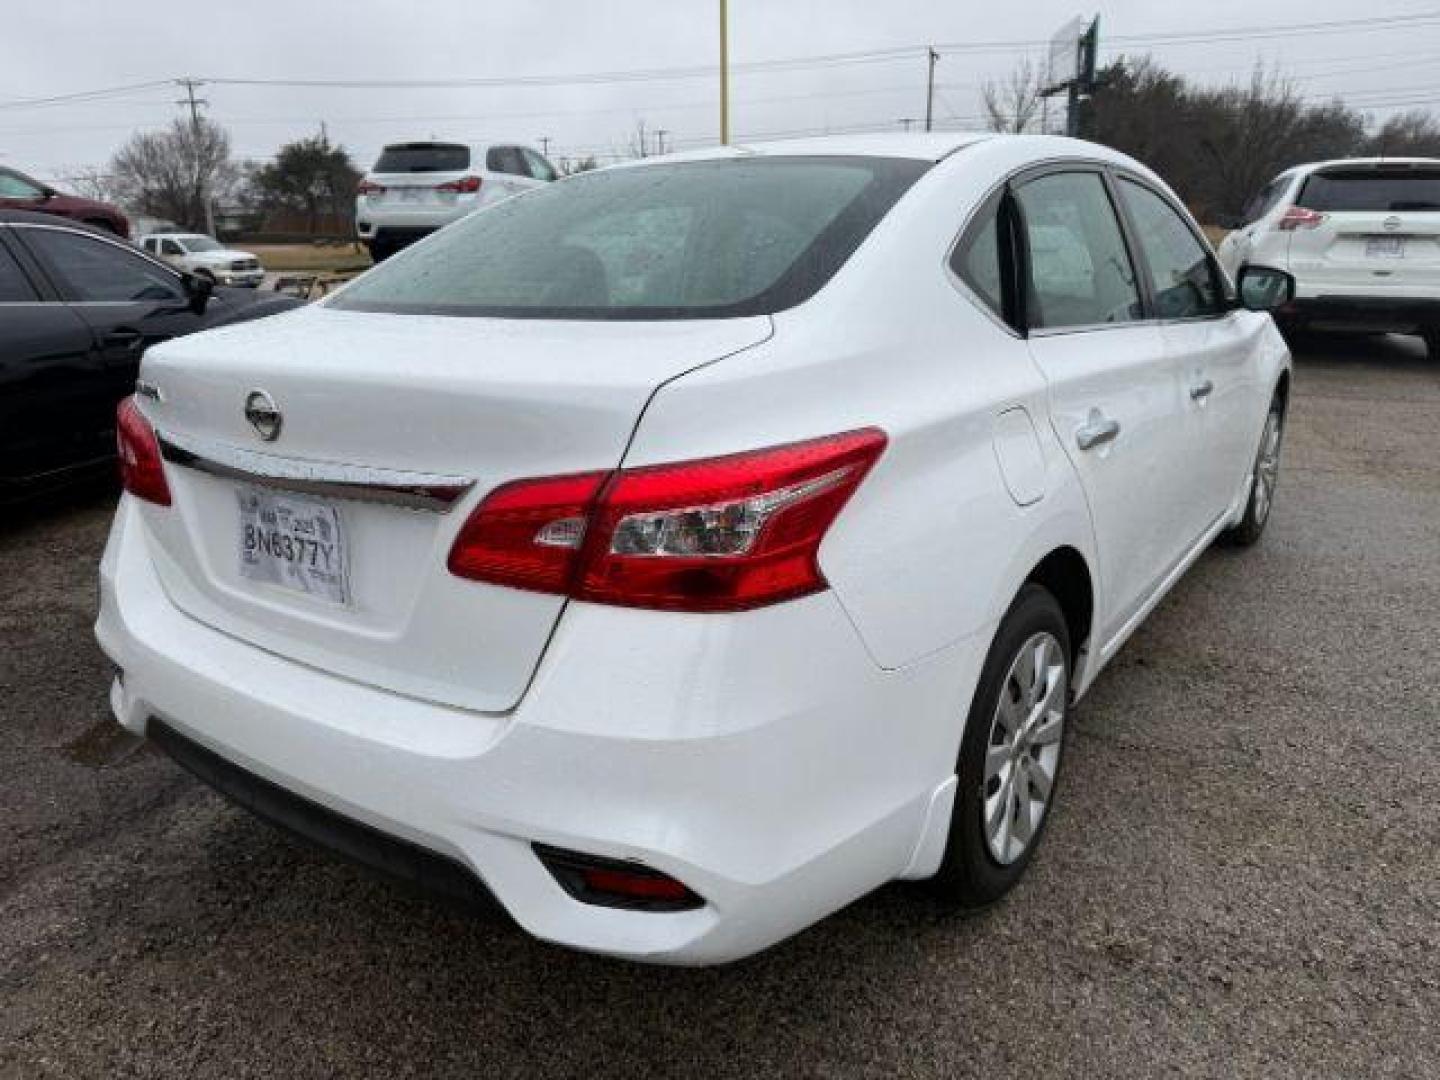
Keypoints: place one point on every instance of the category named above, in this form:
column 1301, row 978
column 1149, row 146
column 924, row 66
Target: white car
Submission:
column 206, row 257
column 686, row 549
column 1361, row 238
column 418, row 187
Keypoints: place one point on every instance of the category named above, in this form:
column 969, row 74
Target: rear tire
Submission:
column 379, row 250
column 1262, row 488
column 1010, row 755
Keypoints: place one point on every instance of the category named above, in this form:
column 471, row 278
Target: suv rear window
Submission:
column 423, row 158
column 705, row 239
column 1382, row 189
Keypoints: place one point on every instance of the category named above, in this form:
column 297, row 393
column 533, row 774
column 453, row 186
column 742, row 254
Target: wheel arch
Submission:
column 1065, row 574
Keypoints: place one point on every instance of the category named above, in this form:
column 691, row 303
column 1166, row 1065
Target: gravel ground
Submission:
column 1242, row 877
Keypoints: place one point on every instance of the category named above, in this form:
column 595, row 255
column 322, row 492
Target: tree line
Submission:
column 1216, row 146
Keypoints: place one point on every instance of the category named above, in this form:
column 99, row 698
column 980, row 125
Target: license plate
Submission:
column 412, row 194
column 295, row 542
column 1386, row 247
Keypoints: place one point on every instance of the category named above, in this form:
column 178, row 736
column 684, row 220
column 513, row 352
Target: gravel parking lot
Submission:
column 1243, row 876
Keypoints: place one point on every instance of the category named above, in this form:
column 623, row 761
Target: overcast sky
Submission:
column 55, row 48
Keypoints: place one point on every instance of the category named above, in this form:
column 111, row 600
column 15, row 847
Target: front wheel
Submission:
column 1010, row 754
column 1262, row 486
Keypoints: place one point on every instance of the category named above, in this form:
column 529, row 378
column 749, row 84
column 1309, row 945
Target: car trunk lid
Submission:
column 362, row 403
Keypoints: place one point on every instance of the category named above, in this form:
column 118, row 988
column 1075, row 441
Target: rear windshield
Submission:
column 424, row 157
column 739, row 236
column 1372, row 189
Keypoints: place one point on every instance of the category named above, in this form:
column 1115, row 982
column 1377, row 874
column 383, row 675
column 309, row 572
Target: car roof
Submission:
column 920, row 145
column 30, row 217
column 1312, row 166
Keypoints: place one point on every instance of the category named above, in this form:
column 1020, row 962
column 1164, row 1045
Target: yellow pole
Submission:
column 724, row 74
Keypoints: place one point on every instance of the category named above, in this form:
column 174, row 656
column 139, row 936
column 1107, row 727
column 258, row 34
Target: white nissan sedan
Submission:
column 680, row 551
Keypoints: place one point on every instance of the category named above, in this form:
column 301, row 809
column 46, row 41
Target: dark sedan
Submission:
column 77, row 310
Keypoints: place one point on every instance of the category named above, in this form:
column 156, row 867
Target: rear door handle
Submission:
column 128, row 340
column 1201, row 390
column 1096, row 431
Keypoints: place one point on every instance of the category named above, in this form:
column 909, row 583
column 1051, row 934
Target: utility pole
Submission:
column 724, row 73
column 932, row 56
column 545, row 145
column 660, row 134
column 189, row 86
column 905, row 122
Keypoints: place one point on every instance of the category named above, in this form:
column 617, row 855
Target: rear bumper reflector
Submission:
column 593, row 879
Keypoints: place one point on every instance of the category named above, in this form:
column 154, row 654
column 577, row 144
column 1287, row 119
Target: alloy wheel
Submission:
column 1267, row 467
column 1023, row 752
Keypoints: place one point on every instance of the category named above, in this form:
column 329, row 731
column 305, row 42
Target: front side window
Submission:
column 1079, row 270
column 1183, row 275
column 15, row 287
column 95, row 270
column 15, row 186
column 705, row 239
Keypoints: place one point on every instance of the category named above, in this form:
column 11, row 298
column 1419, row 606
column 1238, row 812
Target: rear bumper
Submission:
column 1380, row 312
column 762, row 759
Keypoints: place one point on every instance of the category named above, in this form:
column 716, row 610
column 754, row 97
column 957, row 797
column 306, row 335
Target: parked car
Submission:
column 1361, row 237
column 418, row 187
column 21, row 192
column 682, row 551
column 78, row 308
column 206, row 257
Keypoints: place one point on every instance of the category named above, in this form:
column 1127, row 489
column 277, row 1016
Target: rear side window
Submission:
column 976, row 260
column 705, row 239
column 540, row 169
column 96, row 270
column 1376, row 189
column 1079, row 270
column 15, row 287
column 1184, row 278
column 506, row 159
column 423, row 158
column 1265, row 201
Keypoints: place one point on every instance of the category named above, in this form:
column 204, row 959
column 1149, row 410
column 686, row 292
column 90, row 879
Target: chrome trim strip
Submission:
column 393, row 487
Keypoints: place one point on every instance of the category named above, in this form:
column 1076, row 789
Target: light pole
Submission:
column 724, row 73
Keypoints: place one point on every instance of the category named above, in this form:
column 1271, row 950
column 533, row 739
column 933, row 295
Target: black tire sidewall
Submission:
column 968, row 874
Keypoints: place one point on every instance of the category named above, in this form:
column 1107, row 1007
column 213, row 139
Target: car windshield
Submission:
column 737, row 236
column 200, row 243
column 1380, row 188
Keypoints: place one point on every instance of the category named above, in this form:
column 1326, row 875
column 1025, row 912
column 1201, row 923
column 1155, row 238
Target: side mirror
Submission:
column 199, row 290
column 47, row 192
column 1263, row 288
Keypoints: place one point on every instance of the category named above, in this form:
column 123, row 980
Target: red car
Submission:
column 21, row 192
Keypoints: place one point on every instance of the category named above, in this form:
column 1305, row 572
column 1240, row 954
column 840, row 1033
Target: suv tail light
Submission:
column 464, row 186
column 1298, row 217
column 369, row 187
column 720, row 534
column 141, row 471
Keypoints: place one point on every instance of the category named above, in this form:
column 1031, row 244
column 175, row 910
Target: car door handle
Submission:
column 1201, row 390
column 128, row 340
column 1096, row 431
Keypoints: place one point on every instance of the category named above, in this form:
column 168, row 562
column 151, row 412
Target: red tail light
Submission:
column 369, row 187
column 1298, row 217
column 464, row 186
column 141, row 471
column 721, row 534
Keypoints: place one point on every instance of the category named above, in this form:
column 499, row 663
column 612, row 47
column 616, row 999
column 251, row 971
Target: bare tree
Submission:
column 90, row 182
column 169, row 174
column 1013, row 104
column 1409, row 134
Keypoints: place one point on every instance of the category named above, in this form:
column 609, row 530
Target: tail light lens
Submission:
column 720, row 534
column 141, row 470
column 1298, row 217
column 464, row 186
column 369, row 187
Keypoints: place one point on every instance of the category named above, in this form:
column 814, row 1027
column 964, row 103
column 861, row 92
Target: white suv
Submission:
column 418, row 187
column 1362, row 239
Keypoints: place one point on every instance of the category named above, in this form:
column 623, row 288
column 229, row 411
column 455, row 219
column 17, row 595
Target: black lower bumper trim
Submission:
column 1364, row 310
column 309, row 821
